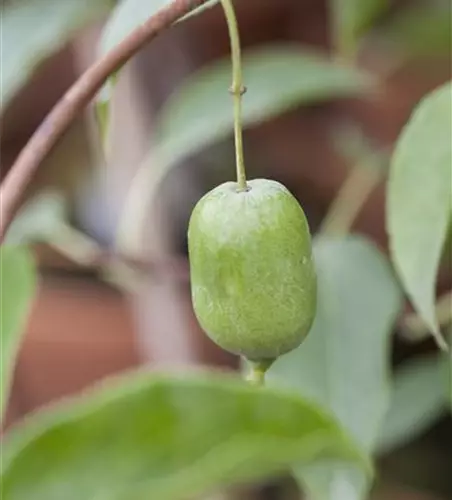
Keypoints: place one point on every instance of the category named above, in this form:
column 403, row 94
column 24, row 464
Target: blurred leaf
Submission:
column 343, row 364
column 34, row 30
column 102, row 113
column 358, row 148
column 424, row 28
column 39, row 220
column 418, row 401
column 128, row 15
column 44, row 219
column 419, row 200
column 166, row 438
column 351, row 19
column 17, row 285
column 450, row 373
column 200, row 111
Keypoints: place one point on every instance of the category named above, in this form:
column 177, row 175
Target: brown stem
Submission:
column 72, row 103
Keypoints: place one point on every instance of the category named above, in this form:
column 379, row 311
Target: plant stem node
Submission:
column 239, row 91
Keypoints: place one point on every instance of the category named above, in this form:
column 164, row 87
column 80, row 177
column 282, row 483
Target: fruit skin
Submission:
column 253, row 280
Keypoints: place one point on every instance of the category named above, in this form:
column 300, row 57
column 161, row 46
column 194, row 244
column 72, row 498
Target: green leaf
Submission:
column 343, row 364
column 419, row 201
column 17, row 285
column 39, row 220
column 34, row 30
column 200, row 111
column 102, row 114
column 165, row 437
column 421, row 29
column 351, row 19
column 129, row 14
column 418, row 401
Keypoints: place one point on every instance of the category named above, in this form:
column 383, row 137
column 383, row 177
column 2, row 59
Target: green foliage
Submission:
column 102, row 114
column 39, row 220
column 343, row 363
column 200, row 111
column 17, row 285
column 419, row 201
column 127, row 16
column 421, row 29
column 351, row 19
column 34, row 30
column 418, row 400
column 168, row 438
column 45, row 219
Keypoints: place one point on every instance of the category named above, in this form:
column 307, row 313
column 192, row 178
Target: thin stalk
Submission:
column 237, row 90
column 350, row 199
column 344, row 44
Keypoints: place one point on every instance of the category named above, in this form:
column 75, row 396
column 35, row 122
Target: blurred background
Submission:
column 87, row 324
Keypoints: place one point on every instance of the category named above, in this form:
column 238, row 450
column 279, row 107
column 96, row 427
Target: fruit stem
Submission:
column 237, row 90
column 344, row 42
column 257, row 371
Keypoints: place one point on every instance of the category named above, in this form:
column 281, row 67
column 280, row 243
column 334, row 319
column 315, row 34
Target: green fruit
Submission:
column 253, row 279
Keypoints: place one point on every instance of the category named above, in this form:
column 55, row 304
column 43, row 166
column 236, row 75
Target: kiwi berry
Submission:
column 253, row 280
